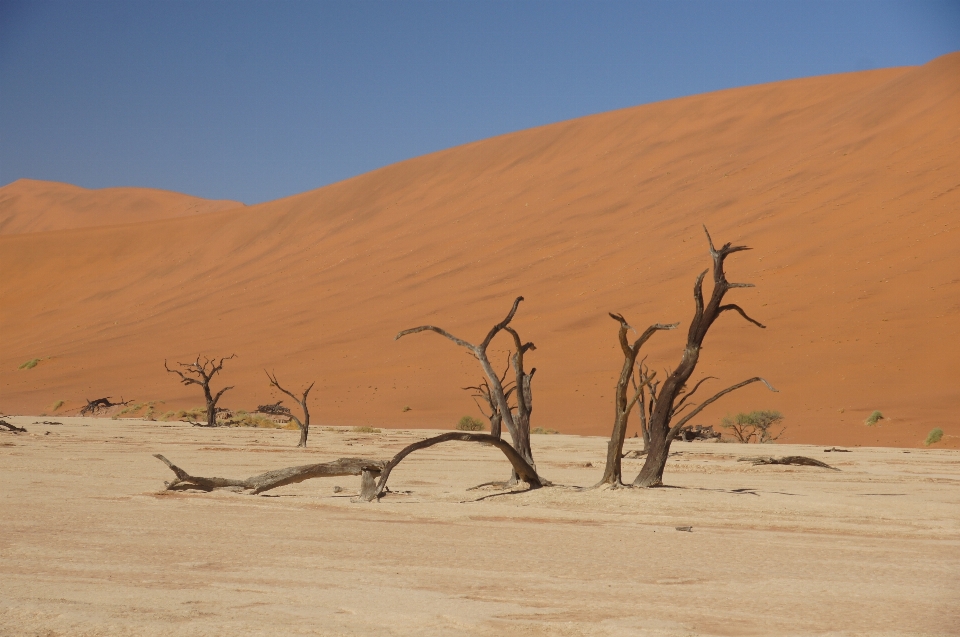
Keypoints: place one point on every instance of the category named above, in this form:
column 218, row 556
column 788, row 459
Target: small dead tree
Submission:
column 521, row 438
column 622, row 404
column 672, row 394
column 201, row 373
column 304, row 424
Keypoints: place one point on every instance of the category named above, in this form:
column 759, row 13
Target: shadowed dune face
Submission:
column 846, row 187
column 28, row 205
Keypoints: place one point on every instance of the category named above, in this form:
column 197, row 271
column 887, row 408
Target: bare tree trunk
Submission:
column 524, row 398
column 662, row 431
column 201, row 374
column 612, row 473
column 271, row 479
column 521, row 467
column 303, row 425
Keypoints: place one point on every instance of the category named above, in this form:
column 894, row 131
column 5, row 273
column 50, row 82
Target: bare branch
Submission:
column 441, row 332
column 502, row 324
column 739, row 310
column 692, row 392
column 715, row 397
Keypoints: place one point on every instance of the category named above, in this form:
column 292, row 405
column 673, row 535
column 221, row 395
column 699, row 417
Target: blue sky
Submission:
column 258, row 100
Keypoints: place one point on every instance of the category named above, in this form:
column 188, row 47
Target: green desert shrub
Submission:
column 873, row 418
column 57, row 405
column 406, row 408
column 366, row 430
column 469, row 423
column 541, row 430
column 934, row 436
column 30, row 364
column 755, row 425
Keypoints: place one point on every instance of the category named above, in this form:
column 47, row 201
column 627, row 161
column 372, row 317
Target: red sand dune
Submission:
column 846, row 186
column 28, row 205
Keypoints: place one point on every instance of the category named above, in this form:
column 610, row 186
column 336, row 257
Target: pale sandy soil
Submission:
column 90, row 545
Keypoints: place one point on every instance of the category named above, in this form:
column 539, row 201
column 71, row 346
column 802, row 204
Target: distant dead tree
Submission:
column 201, row 373
column 304, row 424
column 518, row 423
column 672, row 396
column 101, row 404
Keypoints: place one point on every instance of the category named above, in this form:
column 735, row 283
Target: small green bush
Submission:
column 541, row 430
column 754, row 425
column 406, row 408
column 469, row 423
column 366, row 430
column 873, row 418
column 30, row 364
column 934, row 436
column 57, row 405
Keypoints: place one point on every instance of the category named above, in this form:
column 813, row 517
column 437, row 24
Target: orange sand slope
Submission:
column 28, row 205
column 846, row 187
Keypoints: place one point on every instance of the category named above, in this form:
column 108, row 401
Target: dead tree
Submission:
column 672, row 394
column 201, row 373
column 622, row 404
column 521, row 442
column 101, row 404
column 521, row 467
column 271, row 479
column 483, row 391
column 304, row 424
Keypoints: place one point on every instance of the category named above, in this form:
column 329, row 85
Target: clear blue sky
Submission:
column 258, row 100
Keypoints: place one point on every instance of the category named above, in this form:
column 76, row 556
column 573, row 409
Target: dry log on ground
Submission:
column 793, row 460
column 6, row 426
column 521, row 467
column 272, row 479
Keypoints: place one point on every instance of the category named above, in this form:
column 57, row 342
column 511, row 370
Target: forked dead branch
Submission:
column 201, row 373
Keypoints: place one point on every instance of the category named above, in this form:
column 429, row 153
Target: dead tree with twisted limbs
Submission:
column 673, row 395
column 518, row 425
column 201, row 373
column 303, row 425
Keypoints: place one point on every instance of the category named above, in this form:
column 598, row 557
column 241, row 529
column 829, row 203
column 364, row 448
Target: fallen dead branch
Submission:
column 277, row 478
column 792, row 460
column 836, row 449
column 6, row 426
column 521, row 467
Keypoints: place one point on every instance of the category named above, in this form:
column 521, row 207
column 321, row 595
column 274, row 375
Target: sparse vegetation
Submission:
column 365, row 430
column 406, row 408
column 245, row 419
column 873, row 418
column 57, row 405
column 469, row 423
column 30, row 364
column 754, row 426
column 541, row 430
column 934, row 436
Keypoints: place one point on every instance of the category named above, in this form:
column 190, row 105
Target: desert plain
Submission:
column 92, row 544
column 845, row 187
